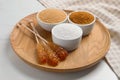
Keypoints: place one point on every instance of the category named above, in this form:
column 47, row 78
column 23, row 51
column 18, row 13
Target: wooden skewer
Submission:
column 52, row 57
column 57, row 52
column 35, row 34
column 43, row 40
column 20, row 25
column 41, row 53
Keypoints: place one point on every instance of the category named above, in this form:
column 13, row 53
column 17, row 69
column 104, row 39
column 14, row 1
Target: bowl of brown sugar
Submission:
column 50, row 17
column 83, row 19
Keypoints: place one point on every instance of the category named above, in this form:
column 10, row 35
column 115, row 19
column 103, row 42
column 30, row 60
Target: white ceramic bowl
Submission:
column 49, row 26
column 67, row 35
column 87, row 28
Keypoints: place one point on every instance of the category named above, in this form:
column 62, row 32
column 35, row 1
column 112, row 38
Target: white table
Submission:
column 13, row 68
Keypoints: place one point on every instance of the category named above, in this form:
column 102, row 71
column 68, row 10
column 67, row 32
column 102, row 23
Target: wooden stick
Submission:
column 32, row 24
column 44, row 42
column 35, row 34
column 20, row 25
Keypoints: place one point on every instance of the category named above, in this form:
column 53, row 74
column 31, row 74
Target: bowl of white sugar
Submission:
column 67, row 35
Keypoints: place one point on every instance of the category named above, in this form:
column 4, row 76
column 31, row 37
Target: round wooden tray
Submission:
column 90, row 51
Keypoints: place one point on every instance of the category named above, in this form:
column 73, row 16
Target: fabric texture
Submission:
column 108, row 11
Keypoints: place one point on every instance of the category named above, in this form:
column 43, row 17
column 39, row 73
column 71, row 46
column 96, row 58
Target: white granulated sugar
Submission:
column 67, row 31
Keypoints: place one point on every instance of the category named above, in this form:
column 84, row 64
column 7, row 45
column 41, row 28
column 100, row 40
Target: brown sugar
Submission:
column 81, row 17
column 52, row 15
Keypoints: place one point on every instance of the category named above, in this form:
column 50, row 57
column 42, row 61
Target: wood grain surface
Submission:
column 90, row 51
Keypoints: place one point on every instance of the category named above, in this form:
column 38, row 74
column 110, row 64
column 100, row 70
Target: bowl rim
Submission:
column 80, row 36
column 82, row 11
column 51, row 23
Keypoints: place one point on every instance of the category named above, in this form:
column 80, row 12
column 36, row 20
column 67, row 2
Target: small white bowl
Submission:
column 67, row 35
column 87, row 28
column 49, row 26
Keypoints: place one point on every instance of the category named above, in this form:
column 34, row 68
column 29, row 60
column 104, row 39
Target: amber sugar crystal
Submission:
column 81, row 17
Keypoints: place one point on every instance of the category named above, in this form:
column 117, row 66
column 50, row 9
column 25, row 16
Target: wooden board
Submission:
column 91, row 50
